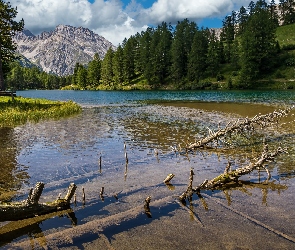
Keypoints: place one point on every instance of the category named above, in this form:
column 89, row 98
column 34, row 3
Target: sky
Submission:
column 117, row 19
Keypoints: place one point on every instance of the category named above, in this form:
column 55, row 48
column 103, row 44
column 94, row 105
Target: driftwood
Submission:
column 169, row 178
column 233, row 175
column 31, row 206
column 240, row 126
column 230, row 178
column 147, row 207
column 189, row 191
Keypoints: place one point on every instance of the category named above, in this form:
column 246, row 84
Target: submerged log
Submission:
column 233, row 175
column 11, row 211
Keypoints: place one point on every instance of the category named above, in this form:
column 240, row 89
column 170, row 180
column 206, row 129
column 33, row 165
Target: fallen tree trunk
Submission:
column 240, row 126
column 233, row 175
column 31, row 206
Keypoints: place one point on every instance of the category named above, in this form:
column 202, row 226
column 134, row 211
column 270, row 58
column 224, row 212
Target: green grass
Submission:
column 286, row 35
column 22, row 110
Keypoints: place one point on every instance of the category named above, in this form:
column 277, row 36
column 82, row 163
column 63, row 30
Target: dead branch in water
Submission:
column 233, row 175
column 240, row 126
column 189, row 191
column 169, row 178
column 31, row 207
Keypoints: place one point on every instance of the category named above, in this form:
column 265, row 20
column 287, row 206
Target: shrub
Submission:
column 290, row 61
column 279, row 74
column 220, row 77
column 288, row 47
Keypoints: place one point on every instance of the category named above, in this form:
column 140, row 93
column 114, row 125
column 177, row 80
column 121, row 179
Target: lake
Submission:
column 149, row 124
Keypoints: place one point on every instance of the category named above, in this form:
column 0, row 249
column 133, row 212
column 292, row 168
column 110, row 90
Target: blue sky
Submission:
column 117, row 19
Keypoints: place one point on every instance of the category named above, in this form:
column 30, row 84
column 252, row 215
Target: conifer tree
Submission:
column 160, row 53
column 289, row 12
column 145, row 60
column 258, row 45
column 198, row 57
column 107, row 73
column 129, row 58
column 8, row 27
column 94, row 71
column 228, row 34
column 82, row 77
column 242, row 17
column 213, row 56
column 181, row 46
column 273, row 12
column 118, row 67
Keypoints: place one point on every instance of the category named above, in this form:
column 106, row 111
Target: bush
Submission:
column 234, row 73
column 204, row 84
column 290, row 61
column 279, row 74
column 219, row 77
column 230, row 83
column 288, row 47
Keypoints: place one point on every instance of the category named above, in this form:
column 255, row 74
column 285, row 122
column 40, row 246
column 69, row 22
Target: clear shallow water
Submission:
column 119, row 97
column 68, row 150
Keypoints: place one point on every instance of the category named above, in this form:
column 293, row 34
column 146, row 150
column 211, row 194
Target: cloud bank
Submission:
column 114, row 21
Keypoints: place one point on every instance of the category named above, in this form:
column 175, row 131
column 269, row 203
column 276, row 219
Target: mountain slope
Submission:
column 59, row 50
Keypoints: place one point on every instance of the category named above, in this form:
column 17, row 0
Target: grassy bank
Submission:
column 21, row 110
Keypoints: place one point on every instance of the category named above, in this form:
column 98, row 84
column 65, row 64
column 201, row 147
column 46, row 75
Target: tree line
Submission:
column 185, row 55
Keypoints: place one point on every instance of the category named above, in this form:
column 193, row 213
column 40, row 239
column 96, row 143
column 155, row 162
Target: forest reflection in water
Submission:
column 57, row 152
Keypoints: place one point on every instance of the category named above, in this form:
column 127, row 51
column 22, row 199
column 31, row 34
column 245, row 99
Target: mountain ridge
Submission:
column 59, row 50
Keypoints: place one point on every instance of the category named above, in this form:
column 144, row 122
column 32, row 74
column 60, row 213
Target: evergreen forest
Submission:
column 253, row 49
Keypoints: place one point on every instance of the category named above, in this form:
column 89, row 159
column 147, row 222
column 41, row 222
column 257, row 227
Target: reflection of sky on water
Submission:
column 55, row 150
column 68, row 150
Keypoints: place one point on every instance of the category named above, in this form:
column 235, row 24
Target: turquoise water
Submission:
column 120, row 97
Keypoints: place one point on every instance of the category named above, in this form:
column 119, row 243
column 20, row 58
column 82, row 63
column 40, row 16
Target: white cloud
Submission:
column 40, row 15
column 176, row 10
column 117, row 32
column 109, row 19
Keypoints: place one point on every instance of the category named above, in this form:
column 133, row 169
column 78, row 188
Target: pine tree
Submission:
column 137, row 63
column 273, row 12
column 228, row 34
column 213, row 56
column 129, row 48
column 118, row 67
column 242, row 18
column 181, row 46
column 31, row 78
column 160, row 53
column 251, row 8
column 82, row 77
column 76, row 70
column 8, row 27
column 94, row 71
column 107, row 73
column 289, row 15
column 198, row 57
column 15, row 76
column 258, row 45
column 145, row 60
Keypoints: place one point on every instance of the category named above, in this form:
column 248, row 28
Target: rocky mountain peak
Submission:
column 59, row 50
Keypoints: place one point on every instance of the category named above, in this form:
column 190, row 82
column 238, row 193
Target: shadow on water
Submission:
column 32, row 227
column 141, row 219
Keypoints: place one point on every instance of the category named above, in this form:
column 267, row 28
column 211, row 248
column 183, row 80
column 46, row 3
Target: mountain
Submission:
column 59, row 50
